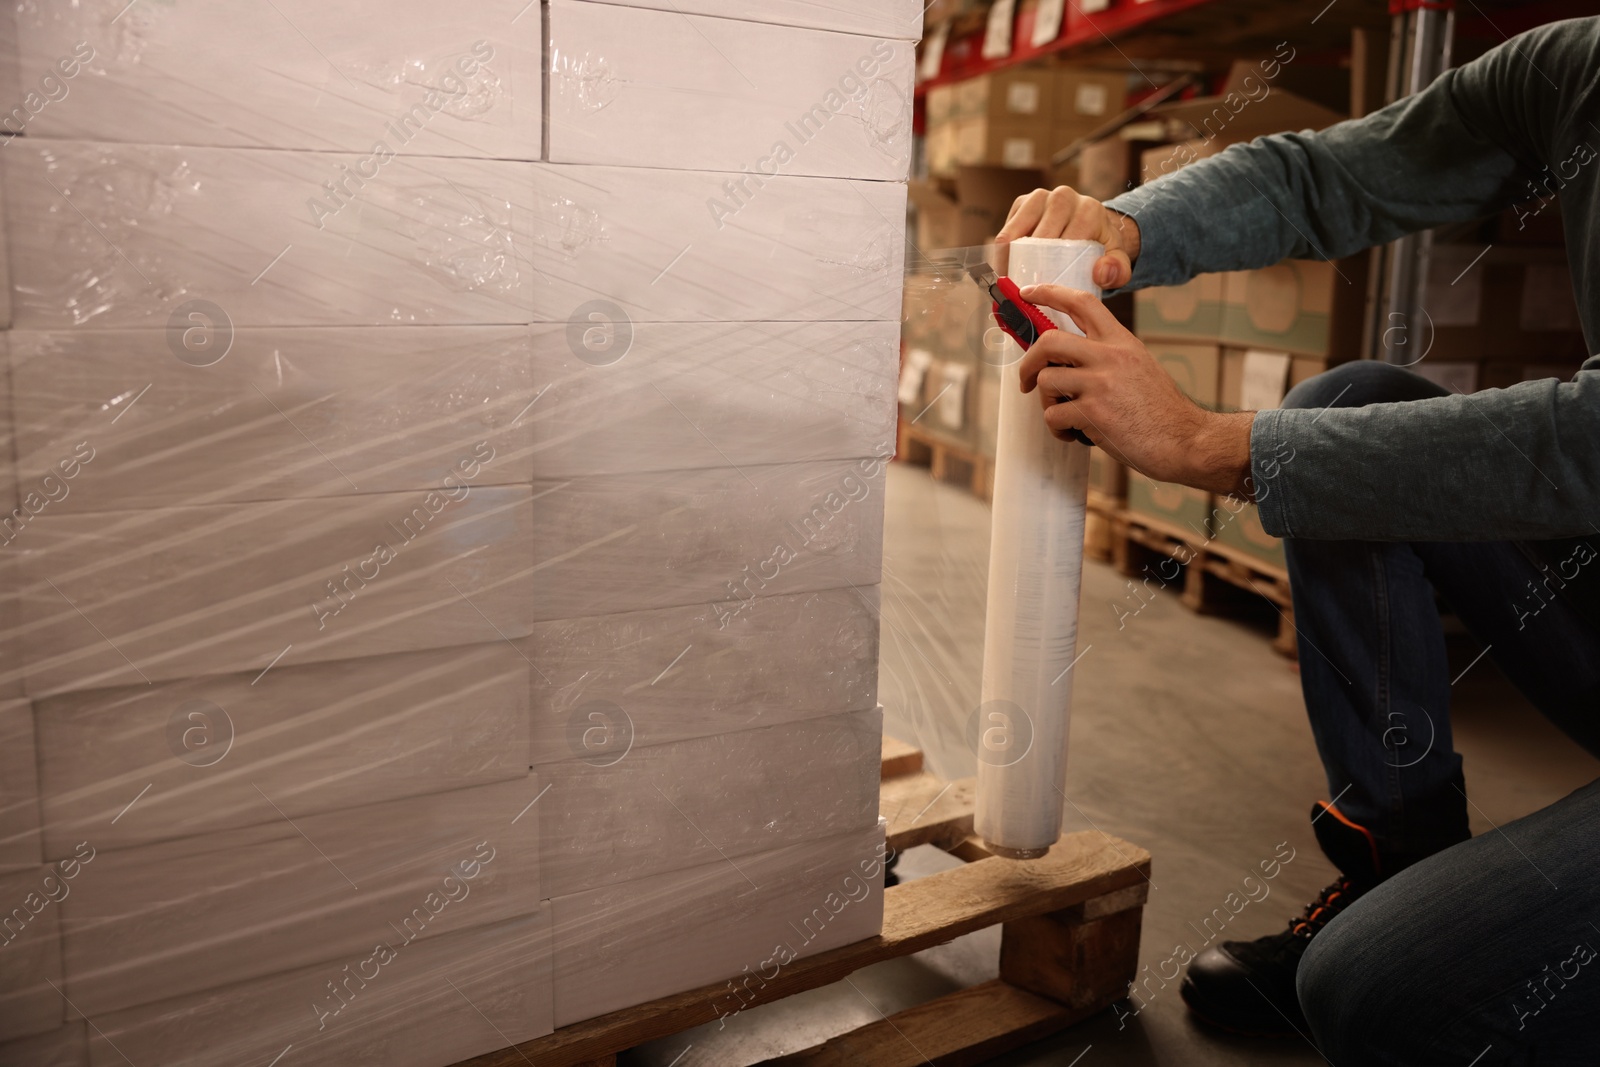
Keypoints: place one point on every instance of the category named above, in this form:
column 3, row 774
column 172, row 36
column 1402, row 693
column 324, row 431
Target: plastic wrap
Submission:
column 421, row 78
column 418, row 556
column 652, row 244
column 670, row 89
column 705, row 800
column 899, row 19
column 680, row 672
column 743, row 922
column 1035, row 569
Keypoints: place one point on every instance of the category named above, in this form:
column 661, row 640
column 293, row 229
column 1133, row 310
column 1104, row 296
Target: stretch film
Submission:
column 1035, row 570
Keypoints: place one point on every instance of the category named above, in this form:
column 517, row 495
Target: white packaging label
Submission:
column 1047, row 20
column 933, row 52
column 912, row 372
column 997, row 34
column 1022, row 98
column 1266, row 376
column 1017, row 152
column 1090, row 99
column 953, row 401
column 1089, row 7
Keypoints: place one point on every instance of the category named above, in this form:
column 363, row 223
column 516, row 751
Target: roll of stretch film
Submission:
column 1035, row 573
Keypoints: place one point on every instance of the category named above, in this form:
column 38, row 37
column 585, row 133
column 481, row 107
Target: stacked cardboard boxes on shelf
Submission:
column 1017, row 117
column 441, row 552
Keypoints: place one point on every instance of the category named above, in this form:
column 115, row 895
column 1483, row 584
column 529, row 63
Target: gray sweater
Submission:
column 1517, row 463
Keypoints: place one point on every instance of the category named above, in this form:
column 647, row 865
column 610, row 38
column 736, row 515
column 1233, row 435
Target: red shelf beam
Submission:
column 962, row 57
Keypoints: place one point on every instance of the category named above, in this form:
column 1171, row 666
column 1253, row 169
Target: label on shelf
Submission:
column 997, row 35
column 1047, row 20
column 933, row 52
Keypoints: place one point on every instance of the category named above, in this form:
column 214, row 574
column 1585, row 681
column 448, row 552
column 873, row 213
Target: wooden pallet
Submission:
column 1099, row 527
column 947, row 459
column 1215, row 577
column 1069, row 947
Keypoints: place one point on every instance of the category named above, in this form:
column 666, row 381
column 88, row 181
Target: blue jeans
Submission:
column 1427, row 968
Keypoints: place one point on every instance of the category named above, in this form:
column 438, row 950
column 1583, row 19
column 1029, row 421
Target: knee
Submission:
column 1355, row 991
column 1359, row 383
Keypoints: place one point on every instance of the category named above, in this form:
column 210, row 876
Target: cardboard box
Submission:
column 1012, row 144
column 1025, row 95
column 226, row 588
column 1234, row 362
column 19, row 789
column 941, row 150
column 786, row 659
column 1167, row 159
column 633, row 942
column 1301, row 306
column 941, row 104
column 901, row 19
column 1106, row 168
column 179, row 917
column 1501, row 304
column 1181, row 509
column 254, row 238
column 30, row 938
column 424, row 79
column 1254, row 101
column 675, row 246
column 987, row 418
column 316, row 738
column 423, row 1003
column 661, row 808
column 289, row 413
column 66, row 1046
column 749, row 393
column 728, row 537
column 1241, row 530
column 969, row 211
column 1188, row 312
column 1088, row 98
column 638, row 87
column 1107, row 477
column 1197, row 368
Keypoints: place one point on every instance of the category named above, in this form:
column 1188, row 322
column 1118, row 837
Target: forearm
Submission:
column 1410, row 166
column 1519, row 463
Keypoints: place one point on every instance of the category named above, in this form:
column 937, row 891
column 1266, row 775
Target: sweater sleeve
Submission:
column 1522, row 462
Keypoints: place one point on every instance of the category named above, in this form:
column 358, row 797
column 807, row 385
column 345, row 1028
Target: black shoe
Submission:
column 1247, row 987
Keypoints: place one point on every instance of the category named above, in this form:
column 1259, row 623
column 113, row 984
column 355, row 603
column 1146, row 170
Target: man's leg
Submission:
column 1486, row 954
column 1377, row 689
column 1372, row 658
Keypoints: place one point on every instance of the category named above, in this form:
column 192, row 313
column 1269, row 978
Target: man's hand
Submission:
column 1064, row 212
column 1109, row 386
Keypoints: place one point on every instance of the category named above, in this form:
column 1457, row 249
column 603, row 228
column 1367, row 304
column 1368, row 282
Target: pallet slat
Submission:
column 925, row 810
column 961, row 1029
column 899, row 758
column 918, row 915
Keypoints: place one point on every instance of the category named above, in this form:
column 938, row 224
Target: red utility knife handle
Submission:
column 1024, row 324
column 1030, row 315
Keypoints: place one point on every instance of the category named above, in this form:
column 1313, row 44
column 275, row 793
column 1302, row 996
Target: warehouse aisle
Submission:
column 1188, row 738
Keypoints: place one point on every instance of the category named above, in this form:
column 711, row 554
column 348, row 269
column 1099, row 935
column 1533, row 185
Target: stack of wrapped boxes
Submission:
column 445, row 515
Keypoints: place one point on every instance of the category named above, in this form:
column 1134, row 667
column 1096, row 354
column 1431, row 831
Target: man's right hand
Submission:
column 1065, row 212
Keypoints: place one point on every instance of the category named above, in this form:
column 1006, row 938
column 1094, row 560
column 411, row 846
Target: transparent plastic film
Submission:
column 1035, row 572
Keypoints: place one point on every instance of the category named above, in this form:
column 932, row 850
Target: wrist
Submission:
column 1217, row 456
column 1128, row 227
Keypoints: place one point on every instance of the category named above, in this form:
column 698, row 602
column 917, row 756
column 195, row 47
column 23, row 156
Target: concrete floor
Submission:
column 1188, row 737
